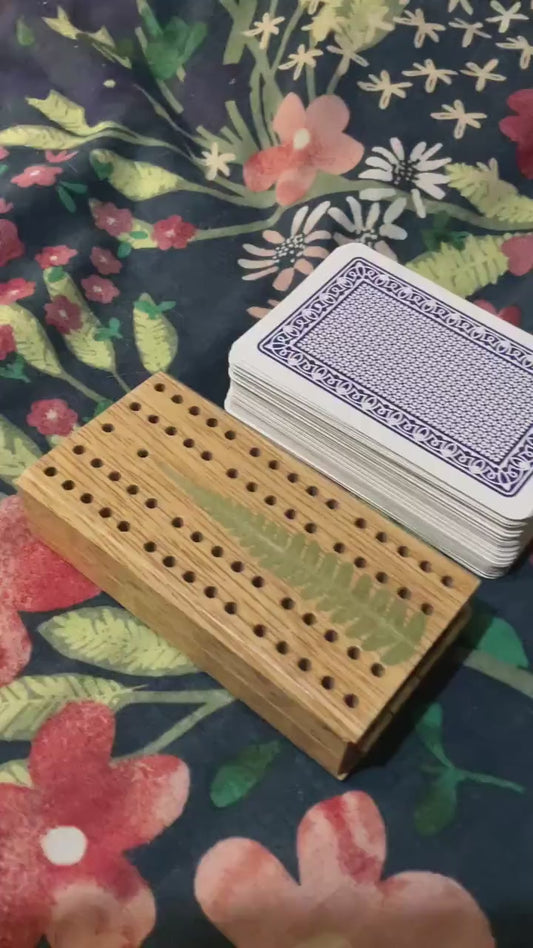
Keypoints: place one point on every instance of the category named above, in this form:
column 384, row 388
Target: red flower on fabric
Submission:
column 52, row 416
column 63, row 314
column 3, row 153
column 42, row 175
column 5, row 206
column 7, row 342
column 55, row 256
column 11, row 246
column 519, row 251
column 105, row 261
column 61, row 860
column 173, row 232
column 109, row 218
column 61, row 156
column 312, row 140
column 341, row 900
column 16, row 289
column 519, row 128
column 99, row 290
column 509, row 314
column 32, row 579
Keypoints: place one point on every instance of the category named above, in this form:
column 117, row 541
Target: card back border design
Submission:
column 506, row 477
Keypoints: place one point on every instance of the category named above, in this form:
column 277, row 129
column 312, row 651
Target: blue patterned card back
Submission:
column 434, row 375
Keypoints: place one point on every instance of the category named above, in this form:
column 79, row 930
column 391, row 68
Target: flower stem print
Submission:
column 438, row 807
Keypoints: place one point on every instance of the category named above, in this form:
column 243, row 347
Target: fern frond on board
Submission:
column 483, row 187
column 480, row 261
column 375, row 618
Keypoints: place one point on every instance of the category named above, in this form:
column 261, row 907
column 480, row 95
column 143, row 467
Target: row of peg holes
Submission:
column 293, row 478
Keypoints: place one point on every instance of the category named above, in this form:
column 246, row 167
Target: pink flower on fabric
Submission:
column 283, row 257
column 509, row 314
column 55, row 256
column 519, row 251
column 11, row 246
column 5, row 206
column 173, row 232
column 16, row 289
column 63, row 314
column 42, row 175
column 340, row 901
column 52, row 416
column 7, row 342
column 32, row 579
column 61, row 156
column 3, row 153
column 62, row 866
column 105, row 261
column 109, row 218
column 99, row 290
column 312, row 140
column 519, row 128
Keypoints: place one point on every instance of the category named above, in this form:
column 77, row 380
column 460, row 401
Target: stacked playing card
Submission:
column 412, row 398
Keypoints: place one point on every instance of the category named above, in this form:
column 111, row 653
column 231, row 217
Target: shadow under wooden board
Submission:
column 304, row 602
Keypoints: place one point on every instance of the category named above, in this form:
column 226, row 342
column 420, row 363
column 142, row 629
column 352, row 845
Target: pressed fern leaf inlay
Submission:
column 377, row 619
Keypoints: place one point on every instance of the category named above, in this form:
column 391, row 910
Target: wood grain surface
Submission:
column 304, row 602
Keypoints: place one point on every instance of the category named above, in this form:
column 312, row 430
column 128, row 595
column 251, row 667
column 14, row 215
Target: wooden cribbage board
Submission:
column 248, row 559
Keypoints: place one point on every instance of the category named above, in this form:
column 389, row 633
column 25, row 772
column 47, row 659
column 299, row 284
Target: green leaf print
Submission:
column 375, row 618
column 496, row 199
column 15, row 772
column 438, row 807
column 31, row 340
column 24, row 33
column 17, row 451
column 155, row 337
column 429, row 730
column 66, row 200
column 170, row 50
column 112, row 638
column 29, row 701
column 493, row 635
column 83, row 342
column 465, row 271
column 140, row 180
column 235, row 779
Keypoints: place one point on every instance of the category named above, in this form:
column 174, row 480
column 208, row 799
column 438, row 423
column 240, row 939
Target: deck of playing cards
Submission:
column 417, row 401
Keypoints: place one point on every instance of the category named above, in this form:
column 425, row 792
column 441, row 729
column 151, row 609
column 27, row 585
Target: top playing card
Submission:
column 458, row 386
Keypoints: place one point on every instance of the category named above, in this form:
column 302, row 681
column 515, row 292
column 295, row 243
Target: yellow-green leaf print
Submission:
column 376, row 619
column 29, row 701
column 99, row 353
column 139, row 180
column 40, row 137
column 155, row 336
column 479, row 262
column 483, row 187
column 17, row 451
column 68, row 115
column 31, row 340
column 16, row 772
column 112, row 638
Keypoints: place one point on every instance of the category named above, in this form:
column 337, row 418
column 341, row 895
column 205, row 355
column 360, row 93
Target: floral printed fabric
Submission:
column 168, row 171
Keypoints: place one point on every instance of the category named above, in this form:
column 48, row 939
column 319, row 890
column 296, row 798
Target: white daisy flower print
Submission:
column 372, row 228
column 418, row 173
column 284, row 256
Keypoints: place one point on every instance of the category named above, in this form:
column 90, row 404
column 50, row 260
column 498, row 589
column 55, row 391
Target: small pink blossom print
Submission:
column 42, row 175
column 63, row 314
column 3, row 153
column 105, row 261
column 312, row 140
column 110, row 218
column 52, row 416
column 99, row 290
column 64, row 872
column 11, row 247
column 16, row 289
column 5, row 206
column 509, row 314
column 7, row 342
column 340, row 899
column 55, row 256
column 519, row 252
column 32, row 579
column 173, row 232
column 59, row 157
